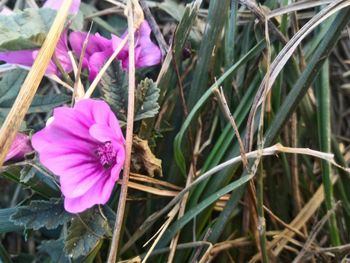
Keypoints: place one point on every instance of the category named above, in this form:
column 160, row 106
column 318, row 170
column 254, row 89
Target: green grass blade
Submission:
column 179, row 157
column 216, row 21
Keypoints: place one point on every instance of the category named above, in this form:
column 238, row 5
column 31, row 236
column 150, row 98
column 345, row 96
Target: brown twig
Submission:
column 129, row 137
column 19, row 109
column 226, row 110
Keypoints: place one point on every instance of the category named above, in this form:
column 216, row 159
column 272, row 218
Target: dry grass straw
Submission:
column 135, row 18
column 19, row 109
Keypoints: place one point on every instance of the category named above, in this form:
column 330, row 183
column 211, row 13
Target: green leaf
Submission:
column 78, row 22
column 6, row 225
column 55, row 249
column 171, row 7
column 11, row 83
column 89, row 10
column 41, row 183
column 146, row 104
column 213, row 31
column 114, row 89
column 167, row 77
column 40, row 103
column 189, row 215
column 85, row 233
column 27, row 173
column 10, row 86
column 179, row 157
column 4, row 255
column 39, row 213
column 25, row 29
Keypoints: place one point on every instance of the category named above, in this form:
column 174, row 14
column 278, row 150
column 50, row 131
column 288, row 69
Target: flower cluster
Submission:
column 99, row 49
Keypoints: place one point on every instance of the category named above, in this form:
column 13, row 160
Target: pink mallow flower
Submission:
column 99, row 49
column 84, row 146
column 19, row 148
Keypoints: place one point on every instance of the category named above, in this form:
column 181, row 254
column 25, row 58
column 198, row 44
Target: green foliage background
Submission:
column 236, row 213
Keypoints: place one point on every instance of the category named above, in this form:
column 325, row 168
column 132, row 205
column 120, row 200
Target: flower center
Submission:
column 106, row 154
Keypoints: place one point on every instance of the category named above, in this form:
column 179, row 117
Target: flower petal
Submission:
column 115, row 172
column 98, row 194
column 20, row 147
column 96, row 62
column 149, row 53
column 102, row 133
column 78, row 184
column 61, row 53
column 98, row 50
column 20, row 57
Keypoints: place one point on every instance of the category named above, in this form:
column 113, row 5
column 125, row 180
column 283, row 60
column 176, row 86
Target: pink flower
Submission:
column 146, row 52
column 84, row 146
column 97, row 52
column 99, row 49
column 19, row 148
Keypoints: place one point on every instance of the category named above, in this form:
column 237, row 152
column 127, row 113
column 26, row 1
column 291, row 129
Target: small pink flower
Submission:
column 19, row 148
column 84, row 146
column 99, row 49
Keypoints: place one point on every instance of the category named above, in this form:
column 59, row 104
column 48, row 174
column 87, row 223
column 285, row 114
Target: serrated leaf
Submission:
column 114, row 89
column 146, row 104
column 55, row 249
column 85, row 232
column 25, row 29
column 39, row 213
column 26, row 174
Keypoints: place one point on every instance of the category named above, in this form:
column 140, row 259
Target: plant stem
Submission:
column 129, row 134
column 260, row 210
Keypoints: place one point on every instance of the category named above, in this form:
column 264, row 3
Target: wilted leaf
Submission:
column 55, row 249
column 114, row 89
column 25, row 29
column 40, row 213
column 85, row 232
column 146, row 104
column 143, row 160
